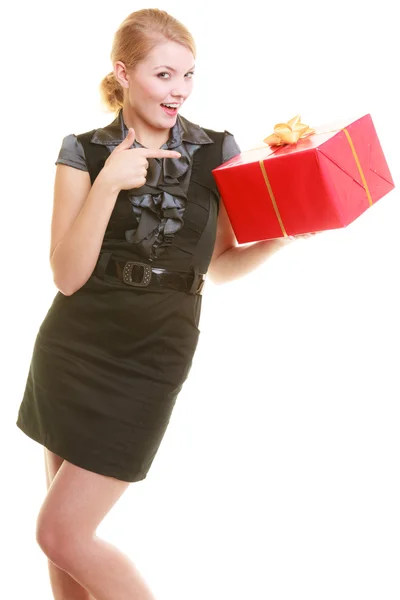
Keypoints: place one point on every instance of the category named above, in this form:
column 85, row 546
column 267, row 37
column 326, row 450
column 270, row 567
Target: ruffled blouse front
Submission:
column 159, row 205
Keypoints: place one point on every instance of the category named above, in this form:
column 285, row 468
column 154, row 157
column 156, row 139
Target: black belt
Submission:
column 141, row 275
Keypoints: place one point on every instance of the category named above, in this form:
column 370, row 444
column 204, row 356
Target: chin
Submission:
column 168, row 122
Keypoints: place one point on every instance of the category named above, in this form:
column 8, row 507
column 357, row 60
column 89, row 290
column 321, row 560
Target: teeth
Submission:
column 172, row 105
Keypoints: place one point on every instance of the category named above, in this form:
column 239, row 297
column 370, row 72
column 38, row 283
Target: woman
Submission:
column 137, row 222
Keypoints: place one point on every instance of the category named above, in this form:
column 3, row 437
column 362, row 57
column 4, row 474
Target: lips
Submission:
column 169, row 111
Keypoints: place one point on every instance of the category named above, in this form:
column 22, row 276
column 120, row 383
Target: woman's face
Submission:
column 165, row 77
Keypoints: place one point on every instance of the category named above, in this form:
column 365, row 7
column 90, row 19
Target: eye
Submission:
column 160, row 75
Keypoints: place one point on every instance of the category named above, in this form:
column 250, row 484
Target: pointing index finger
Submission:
column 147, row 153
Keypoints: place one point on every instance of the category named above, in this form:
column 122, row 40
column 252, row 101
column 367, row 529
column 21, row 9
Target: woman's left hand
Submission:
column 302, row 236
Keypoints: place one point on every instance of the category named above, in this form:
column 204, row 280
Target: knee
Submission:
column 57, row 540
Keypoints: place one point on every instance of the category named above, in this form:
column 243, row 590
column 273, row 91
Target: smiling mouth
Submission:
column 171, row 104
column 170, row 109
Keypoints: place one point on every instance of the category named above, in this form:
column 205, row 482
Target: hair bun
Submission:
column 111, row 92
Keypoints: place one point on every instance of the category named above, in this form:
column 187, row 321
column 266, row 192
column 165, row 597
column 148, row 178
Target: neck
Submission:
column 149, row 137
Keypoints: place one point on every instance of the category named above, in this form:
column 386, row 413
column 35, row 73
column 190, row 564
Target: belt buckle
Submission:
column 201, row 285
column 127, row 274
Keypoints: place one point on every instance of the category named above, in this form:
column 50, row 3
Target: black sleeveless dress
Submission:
column 110, row 360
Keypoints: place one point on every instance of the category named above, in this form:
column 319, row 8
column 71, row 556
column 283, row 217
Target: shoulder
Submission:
column 72, row 153
column 229, row 145
column 228, row 142
column 73, row 149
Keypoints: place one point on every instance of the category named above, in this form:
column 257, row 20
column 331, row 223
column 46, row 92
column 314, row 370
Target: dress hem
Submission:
column 88, row 466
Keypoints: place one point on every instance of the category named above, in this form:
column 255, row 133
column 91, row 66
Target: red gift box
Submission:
column 324, row 181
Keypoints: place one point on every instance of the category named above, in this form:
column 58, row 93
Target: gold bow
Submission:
column 288, row 133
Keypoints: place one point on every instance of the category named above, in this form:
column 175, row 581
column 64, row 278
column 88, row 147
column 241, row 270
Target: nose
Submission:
column 180, row 92
column 178, row 95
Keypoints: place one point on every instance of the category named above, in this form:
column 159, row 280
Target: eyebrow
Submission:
column 170, row 68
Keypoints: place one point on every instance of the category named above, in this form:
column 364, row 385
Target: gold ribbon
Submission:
column 365, row 184
column 271, row 195
column 290, row 133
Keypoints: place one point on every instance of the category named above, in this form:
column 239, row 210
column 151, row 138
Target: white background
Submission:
column 278, row 477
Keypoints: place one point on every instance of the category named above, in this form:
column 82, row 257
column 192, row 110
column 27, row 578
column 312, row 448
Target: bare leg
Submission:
column 76, row 503
column 63, row 585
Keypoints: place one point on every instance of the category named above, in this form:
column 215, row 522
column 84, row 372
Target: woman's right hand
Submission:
column 126, row 167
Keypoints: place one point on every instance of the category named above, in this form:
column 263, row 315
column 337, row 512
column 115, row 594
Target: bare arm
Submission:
column 230, row 261
column 79, row 221
column 236, row 262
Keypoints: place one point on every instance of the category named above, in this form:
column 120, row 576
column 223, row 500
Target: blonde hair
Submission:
column 137, row 35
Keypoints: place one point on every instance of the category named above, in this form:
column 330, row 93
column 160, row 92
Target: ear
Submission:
column 121, row 74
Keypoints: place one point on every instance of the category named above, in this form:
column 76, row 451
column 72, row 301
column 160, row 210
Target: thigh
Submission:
column 78, row 500
column 52, row 464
